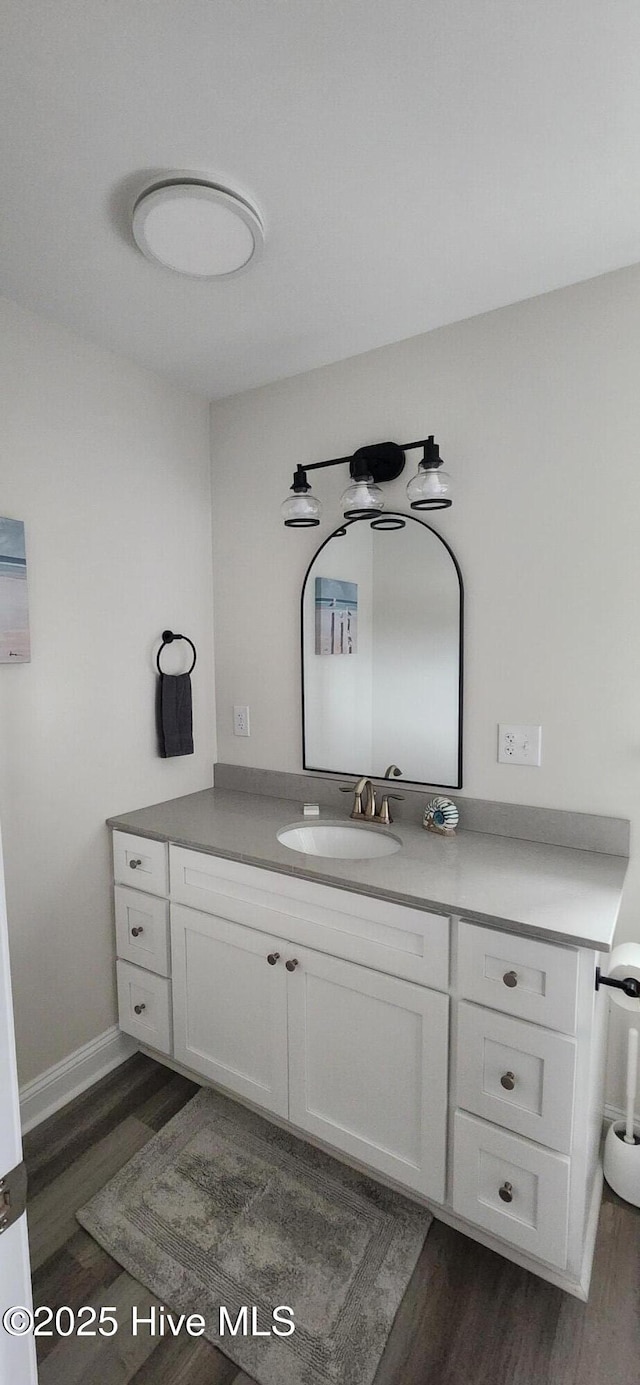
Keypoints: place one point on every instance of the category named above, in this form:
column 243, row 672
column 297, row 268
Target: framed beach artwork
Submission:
column 336, row 616
column 15, row 643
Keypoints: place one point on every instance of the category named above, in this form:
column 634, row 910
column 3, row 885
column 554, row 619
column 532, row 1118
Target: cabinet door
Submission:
column 230, row 1005
column 368, row 1067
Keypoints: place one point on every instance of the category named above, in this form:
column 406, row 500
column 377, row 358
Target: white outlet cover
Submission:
column 241, row 726
column 519, row 745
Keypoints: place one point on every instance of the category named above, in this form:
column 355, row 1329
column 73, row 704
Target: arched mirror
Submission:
column 382, row 607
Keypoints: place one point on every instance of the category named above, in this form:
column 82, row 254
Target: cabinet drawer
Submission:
column 517, row 1075
column 140, row 863
column 389, row 937
column 489, row 1166
column 144, row 1006
column 142, row 930
column 535, row 980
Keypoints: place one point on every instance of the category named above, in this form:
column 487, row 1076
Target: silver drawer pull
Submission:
column 135, row 932
column 139, row 1008
column 510, row 979
column 272, row 958
column 291, row 964
column 134, row 864
column 506, row 1192
column 508, row 1081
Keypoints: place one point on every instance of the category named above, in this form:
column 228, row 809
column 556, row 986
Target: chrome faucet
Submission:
column 364, row 788
column 367, row 811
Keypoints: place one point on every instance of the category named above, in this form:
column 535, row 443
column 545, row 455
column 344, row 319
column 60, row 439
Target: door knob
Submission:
column 135, row 932
column 139, row 1008
column 272, row 958
column 291, row 964
column 506, row 1192
column 510, row 979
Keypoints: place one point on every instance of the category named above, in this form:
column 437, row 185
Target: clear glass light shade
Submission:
column 430, row 489
column 361, row 497
column 300, row 510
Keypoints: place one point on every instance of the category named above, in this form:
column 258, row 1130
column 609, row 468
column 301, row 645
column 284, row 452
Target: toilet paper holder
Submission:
column 629, row 984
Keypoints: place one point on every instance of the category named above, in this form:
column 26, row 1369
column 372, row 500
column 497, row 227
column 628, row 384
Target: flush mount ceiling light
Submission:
column 370, row 467
column 197, row 228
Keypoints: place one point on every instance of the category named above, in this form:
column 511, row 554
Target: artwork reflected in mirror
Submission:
column 336, row 616
column 15, row 641
column 382, row 654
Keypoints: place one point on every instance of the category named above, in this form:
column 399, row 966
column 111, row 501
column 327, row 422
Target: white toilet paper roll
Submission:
column 624, row 961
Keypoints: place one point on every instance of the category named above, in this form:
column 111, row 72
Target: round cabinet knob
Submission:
column 139, row 1008
column 510, row 979
column 134, row 864
column 291, row 964
column 273, row 958
column 135, row 932
column 506, row 1192
column 508, row 1081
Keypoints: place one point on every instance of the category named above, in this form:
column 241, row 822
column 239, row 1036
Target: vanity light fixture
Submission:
column 196, row 227
column 371, row 467
column 430, row 488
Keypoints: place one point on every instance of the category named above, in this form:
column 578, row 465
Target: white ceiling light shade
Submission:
column 197, row 228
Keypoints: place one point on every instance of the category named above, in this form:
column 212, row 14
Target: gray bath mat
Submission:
column 222, row 1209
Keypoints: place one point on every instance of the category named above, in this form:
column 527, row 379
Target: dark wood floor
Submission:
column 468, row 1317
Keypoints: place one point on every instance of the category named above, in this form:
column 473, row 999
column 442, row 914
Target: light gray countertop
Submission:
column 554, row 892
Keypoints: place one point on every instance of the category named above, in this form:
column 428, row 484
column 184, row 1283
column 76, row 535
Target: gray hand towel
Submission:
column 175, row 723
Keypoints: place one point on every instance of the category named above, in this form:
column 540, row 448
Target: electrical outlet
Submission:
column 241, row 721
column 519, row 745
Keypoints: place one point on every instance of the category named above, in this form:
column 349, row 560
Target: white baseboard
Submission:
column 66, row 1080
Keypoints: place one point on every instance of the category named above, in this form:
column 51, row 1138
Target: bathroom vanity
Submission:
column 430, row 1016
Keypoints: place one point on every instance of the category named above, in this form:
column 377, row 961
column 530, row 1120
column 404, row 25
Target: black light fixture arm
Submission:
column 335, row 461
column 382, row 461
column 373, row 453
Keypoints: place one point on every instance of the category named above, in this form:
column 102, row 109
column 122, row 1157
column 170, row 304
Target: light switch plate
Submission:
column 519, row 745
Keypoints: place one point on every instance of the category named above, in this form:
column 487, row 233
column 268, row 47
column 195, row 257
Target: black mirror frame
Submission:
column 338, row 533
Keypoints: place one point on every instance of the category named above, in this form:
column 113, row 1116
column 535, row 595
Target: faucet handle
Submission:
column 356, row 790
column 384, row 816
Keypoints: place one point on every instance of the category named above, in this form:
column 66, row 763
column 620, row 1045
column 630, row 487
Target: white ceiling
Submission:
column 415, row 161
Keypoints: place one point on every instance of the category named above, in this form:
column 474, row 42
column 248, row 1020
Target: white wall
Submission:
column 537, row 411
column 108, row 467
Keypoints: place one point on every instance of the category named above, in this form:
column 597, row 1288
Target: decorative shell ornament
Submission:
column 441, row 815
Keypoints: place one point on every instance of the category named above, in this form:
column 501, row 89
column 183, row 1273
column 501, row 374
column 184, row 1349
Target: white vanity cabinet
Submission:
column 462, row 1062
column 351, row 1055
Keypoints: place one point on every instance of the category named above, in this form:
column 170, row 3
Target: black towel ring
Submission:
column 168, row 637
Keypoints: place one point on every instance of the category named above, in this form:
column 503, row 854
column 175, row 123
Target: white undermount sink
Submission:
column 342, row 840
